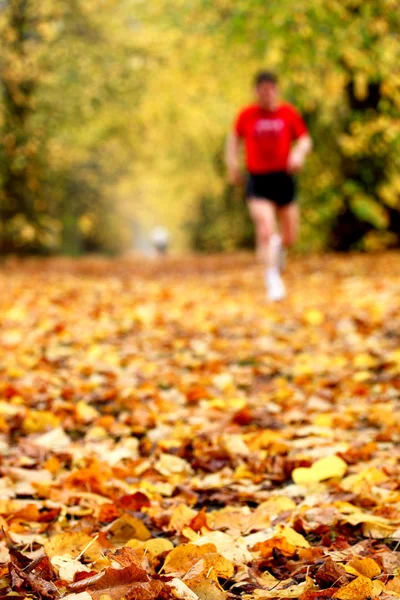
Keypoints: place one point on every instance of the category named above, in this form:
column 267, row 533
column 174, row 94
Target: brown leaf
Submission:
column 120, row 577
column 144, row 591
column 21, row 580
column 134, row 502
column 124, row 556
column 16, row 580
column 331, row 574
column 82, row 581
column 130, row 582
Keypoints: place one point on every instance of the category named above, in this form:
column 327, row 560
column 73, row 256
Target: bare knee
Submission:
column 264, row 231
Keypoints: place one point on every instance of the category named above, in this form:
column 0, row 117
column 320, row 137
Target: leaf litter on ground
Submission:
column 165, row 433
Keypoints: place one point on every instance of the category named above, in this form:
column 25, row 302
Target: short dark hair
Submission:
column 265, row 77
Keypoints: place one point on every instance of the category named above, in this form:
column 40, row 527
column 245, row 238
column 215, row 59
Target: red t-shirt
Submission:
column 268, row 136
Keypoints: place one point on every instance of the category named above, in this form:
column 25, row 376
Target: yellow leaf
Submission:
column 153, row 547
column 325, row 468
column 127, row 527
column 364, row 361
column 356, row 483
column 360, row 589
column 181, row 559
column 364, row 566
column 168, row 464
column 293, row 537
column 304, row 475
column 72, row 545
column 314, row 317
column 361, row 376
column 39, row 421
column 291, row 591
column 323, row 420
column 212, row 565
column 276, row 505
column 331, row 466
column 393, row 587
column 205, row 589
column 86, row 413
column 181, row 516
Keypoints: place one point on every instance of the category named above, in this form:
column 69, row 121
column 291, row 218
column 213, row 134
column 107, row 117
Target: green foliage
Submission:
column 221, row 226
column 338, row 62
column 68, row 84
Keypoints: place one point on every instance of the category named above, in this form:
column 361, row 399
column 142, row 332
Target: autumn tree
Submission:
column 69, row 86
column 342, row 60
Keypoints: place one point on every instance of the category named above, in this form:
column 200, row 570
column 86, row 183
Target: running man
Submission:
column 276, row 143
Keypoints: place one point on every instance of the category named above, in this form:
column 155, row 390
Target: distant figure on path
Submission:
column 160, row 240
column 276, row 143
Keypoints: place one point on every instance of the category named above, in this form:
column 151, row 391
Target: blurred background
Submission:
column 114, row 115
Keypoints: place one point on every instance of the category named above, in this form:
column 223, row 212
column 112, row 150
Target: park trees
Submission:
column 69, row 74
column 342, row 60
column 339, row 62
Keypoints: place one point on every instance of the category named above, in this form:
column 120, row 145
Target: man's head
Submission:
column 266, row 89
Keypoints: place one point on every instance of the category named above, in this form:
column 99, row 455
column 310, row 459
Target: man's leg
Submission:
column 263, row 214
column 289, row 226
column 289, row 222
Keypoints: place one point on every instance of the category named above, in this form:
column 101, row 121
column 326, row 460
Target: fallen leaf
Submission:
column 206, row 589
column 79, row 596
column 181, row 559
column 181, row 590
column 325, row 468
column 393, row 586
column 235, row 550
column 67, row 567
column 363, row 566
column 331, row 574
column 290, row 591
column 125, row 528
column 73, row 544
column 360, row 589
column 153, row 547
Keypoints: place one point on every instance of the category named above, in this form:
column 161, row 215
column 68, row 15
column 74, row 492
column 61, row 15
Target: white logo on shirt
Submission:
column 268, row 125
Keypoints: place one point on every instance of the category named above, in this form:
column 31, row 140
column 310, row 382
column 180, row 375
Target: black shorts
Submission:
column 278, row 186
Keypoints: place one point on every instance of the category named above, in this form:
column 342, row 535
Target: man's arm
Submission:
column 232, row 158
column 298, row 153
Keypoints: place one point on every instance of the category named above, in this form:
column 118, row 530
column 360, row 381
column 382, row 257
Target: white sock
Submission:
column 271, row 273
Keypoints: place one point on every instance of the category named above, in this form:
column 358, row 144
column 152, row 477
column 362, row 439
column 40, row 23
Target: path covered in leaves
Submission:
column 165, row 433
